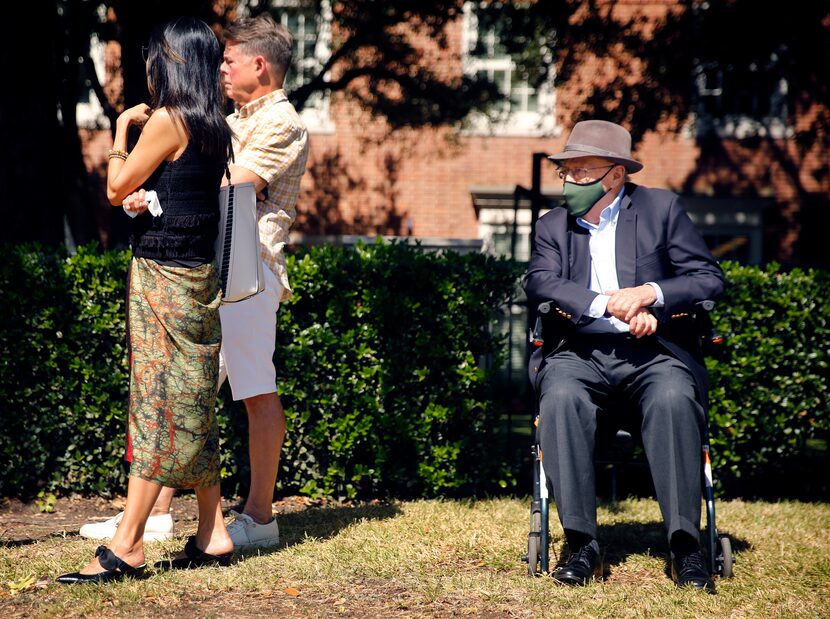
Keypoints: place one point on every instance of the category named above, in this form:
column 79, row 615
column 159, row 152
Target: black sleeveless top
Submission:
column 188, row 192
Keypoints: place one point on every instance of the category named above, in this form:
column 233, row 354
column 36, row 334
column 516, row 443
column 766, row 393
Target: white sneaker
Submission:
column 157, row 529
column 246, row 533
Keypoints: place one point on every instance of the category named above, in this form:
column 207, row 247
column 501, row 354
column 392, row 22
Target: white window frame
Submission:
column 540, row 123
column 497, row 213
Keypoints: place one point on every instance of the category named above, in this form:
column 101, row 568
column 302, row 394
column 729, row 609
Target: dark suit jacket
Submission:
column 655, row 242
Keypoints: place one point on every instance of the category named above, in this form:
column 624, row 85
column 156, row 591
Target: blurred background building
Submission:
column 742, row 135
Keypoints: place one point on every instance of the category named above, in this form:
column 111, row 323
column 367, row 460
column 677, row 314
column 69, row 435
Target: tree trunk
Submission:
column 31, row 207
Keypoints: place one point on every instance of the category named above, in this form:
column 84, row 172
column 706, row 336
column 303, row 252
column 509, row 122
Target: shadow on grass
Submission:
column 322, row 523
column 622, row 540
column 28, row 541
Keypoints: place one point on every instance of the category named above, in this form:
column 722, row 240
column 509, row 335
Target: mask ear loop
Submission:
column 601, row 178
column 607, row 172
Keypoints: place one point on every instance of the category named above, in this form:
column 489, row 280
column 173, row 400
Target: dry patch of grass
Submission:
column 447, row 558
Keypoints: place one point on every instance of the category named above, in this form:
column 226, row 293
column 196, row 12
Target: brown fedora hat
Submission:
column 600, row 138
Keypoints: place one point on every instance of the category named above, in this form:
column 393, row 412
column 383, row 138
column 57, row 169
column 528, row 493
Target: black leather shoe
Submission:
column 690, row 570
column 114, row 569
column 194, row 558
column 580, row 568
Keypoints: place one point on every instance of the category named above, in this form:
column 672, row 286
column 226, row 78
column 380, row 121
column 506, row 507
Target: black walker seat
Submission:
column 719, row 545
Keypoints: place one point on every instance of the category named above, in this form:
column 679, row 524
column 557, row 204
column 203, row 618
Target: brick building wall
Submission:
column 364, row 178
column 421, row 182
column 410, row 182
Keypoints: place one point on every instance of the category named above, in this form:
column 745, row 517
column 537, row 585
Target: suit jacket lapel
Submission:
column 626, row 243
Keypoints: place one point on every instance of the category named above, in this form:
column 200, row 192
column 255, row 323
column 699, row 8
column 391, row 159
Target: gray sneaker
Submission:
column 246, row 533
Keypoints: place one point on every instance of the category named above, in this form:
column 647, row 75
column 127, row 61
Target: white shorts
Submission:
column 249, row 331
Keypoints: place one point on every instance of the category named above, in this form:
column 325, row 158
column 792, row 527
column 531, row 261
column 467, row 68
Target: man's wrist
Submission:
column 658, row 301
column 598, row 307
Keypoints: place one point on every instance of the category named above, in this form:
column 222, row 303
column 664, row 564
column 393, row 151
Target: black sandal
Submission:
column 115, row 569
column 194, row 558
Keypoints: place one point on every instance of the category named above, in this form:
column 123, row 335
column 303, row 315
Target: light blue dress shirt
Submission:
column 603, row 245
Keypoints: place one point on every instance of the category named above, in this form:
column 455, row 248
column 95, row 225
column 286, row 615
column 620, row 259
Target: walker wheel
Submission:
column 534, row 544
column 724, row 559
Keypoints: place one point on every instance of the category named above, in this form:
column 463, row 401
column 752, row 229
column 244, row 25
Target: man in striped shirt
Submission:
column 271, row 150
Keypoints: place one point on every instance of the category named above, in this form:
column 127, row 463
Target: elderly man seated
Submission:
column 617, row 263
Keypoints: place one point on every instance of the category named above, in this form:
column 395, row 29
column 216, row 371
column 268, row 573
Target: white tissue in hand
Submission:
column 153, row 204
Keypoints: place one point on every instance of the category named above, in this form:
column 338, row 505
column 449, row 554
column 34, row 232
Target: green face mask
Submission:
column 580, row 198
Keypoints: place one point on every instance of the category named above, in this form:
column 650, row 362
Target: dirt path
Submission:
column 22, row 523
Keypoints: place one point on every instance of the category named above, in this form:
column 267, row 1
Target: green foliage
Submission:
column 380, row 361
column 384, row 361
column 63, row 371
column 769, row 387
column 46, row 502
column 379, row 357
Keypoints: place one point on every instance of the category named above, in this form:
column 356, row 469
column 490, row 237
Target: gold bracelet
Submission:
column 121, row 154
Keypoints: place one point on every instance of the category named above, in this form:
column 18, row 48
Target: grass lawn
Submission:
column 445, row 558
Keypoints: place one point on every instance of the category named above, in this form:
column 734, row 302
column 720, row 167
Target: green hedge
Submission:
column 380, row 359
column 769, row 400
column 385, row 360
column 63, row 370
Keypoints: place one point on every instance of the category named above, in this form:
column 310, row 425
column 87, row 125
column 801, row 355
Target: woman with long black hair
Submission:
column 174, row 295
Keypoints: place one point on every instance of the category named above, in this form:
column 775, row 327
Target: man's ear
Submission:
column 260, row 65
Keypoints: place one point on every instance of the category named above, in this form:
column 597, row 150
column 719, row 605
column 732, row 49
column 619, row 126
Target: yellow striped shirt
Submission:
column 271, row 141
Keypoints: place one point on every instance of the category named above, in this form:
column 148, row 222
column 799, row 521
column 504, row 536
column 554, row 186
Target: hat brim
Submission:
column 631, row 165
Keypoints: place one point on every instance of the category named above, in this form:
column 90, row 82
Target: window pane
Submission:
column 493, row 60
column 751, row 91
column 308, row 47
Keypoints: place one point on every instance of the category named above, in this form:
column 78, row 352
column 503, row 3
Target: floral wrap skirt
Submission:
column 174, row 335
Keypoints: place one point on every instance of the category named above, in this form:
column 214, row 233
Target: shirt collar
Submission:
column 257, row 104
column 608, row 214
